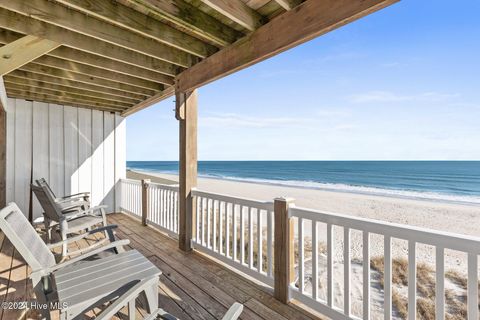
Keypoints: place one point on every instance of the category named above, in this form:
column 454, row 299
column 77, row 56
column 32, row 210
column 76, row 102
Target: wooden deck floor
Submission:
column 191, row 286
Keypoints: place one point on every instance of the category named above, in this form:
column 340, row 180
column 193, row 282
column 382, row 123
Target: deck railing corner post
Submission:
column 145, row 200
column 284, row 257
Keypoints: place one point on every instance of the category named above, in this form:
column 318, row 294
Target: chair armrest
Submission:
column 76, row 195
column 234, row 312
column 84, row 212
column 108, row 228
column 115, row 244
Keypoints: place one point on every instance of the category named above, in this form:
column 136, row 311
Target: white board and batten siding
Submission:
column 75, row 149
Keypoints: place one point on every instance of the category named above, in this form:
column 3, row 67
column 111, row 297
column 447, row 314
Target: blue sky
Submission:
column 401, row 84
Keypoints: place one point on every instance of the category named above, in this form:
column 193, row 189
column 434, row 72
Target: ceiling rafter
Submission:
column 237, row 11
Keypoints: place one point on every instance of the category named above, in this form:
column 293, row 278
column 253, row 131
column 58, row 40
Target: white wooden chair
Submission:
column 70, row 222
column 75, row 202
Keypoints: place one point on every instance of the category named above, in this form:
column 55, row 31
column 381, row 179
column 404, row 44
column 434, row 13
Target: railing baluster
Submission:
column 314, row 260
column 472, row 287
column 412, row 280
column 250, row 238
column 366, row 275
column 228, row 211
column 234, row 233
column 301, row 256
column 209, row 223
column 440, row 284
column 242, row 235
column 331, row 254
column 259, row 241
column 221, row 218
column 388, row 277
column 346, row 271
column 269, row 243
column 214, row 236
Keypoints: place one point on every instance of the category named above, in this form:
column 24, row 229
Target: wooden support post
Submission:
column 145, row 183
column 284, row 255
column 3, row 145
column 186, row 113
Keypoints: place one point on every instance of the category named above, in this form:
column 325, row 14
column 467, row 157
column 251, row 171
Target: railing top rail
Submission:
column 262, row 205
column 443, row 239
column 172, row 187
column 131, row 181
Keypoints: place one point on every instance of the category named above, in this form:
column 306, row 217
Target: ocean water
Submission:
column 457, row 181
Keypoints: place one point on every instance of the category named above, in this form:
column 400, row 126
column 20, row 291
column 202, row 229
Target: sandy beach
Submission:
column 444, row 216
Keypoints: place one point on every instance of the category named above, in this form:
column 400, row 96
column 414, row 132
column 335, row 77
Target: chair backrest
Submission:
column 42, row 182
column 24, row 238
column 49, row 206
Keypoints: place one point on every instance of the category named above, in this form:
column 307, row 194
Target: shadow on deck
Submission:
column 191, row 286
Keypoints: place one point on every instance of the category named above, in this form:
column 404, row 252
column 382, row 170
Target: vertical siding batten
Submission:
column 40, row 149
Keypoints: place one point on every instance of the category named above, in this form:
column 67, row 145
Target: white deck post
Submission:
column 186, row 113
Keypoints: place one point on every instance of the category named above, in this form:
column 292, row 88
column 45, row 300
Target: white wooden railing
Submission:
column 240, row 233
column 131, row 201
column 414, row 235
column 163, row 207
column 236, row 231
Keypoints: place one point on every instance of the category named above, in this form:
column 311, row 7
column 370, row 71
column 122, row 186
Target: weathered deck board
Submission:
column 191, row 286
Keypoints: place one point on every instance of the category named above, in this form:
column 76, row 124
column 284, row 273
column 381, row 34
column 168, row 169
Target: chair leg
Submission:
column 131, row 310
column 151, row 293
column 63, row 231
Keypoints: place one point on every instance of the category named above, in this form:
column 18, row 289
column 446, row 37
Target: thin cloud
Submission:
column 235, row 120
column 387, row 96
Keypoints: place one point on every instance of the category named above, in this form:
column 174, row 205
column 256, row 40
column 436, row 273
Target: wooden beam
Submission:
column 59, row 100
column 167, row 93
column 68, row 94
column 19, row 23
column 186, row 104
column 59, row 73
column 3, row 145
column 310, row 20
column 22, row 51
column 67, row 89
column 188, row 18
column 103, row 74
column 93, row 60
column 237, row 11
column 135, row 21
column 47, row 79
column 75, row 21
column 288, row 4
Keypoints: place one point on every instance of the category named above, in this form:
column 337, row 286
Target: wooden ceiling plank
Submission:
column 311, row 19
column 59, row 73
column 59, row 100
column 60, row 16
column 48, row 79
column 288, row 4
column 21, row 51
column 168, row 92
column 100, row 73
column 135, row 21
column 189, row 18
column 86, row 93
column 237, row 11
column 59, row 93
column 19, row 23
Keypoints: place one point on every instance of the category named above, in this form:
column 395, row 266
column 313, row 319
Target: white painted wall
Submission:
column 75, row 149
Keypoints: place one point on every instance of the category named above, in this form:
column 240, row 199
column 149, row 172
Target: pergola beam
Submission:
column 60, row 100
column 237, row 11
column 20, row 52
column 59, row 73
column 135, row 21
column 18, row 85
column 88, row 87
column 22, row 24
column 188, row 18
column 78, row 22
column 310, row 20
column 167, row 93
column 288, row 4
